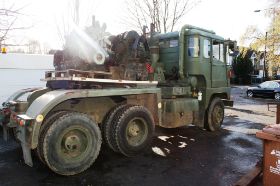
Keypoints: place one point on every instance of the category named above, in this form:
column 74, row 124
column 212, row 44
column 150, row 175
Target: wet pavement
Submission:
column 183, row 156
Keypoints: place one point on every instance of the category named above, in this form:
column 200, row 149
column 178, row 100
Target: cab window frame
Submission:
column 208, row 47
column 193, row 46
column 169, row 43
column 218, row 50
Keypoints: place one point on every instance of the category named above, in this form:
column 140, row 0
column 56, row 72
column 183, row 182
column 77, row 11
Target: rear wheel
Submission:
column 44, row 128
column 215, row 115
column 277, row 96
column 250, row 94
column 107, row 127
column 71, row 144
column 134, row 130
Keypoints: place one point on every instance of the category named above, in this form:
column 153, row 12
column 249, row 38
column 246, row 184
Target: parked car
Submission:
column 266, row 89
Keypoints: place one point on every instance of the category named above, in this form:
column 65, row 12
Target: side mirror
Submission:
column 259, row 86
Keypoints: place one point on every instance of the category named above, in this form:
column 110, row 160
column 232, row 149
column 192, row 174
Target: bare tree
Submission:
column 165, row 14
column 9, row 19
column 64, row 21
column 34, row 47
column 268, row 41
column 74, row 14
column 252, row 37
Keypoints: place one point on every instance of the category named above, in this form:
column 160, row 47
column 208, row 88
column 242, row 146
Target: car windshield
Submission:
column 264, row 84
column 269, row 84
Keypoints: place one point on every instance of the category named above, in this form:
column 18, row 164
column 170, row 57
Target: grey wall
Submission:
column 12, row 80
column 19, row 71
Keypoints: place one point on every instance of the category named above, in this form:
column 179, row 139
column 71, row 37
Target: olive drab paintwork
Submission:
column 210, row 72
column 183, row 80
column 193, row 62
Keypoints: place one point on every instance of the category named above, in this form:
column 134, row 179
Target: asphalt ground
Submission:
column 182, row 156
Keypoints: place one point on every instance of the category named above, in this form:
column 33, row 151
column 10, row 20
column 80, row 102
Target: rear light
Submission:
column 21, row 122
column 21, row 119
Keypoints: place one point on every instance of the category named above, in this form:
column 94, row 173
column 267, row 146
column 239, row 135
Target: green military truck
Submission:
column 169, row 80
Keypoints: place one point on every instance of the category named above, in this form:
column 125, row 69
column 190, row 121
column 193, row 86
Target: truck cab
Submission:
column 193, row 62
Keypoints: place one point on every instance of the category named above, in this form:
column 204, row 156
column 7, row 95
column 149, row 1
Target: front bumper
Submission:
column 227, row 102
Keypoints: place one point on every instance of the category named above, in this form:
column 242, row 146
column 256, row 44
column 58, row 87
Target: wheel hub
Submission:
column 218, row 113
column 133, row 130
column 72, row 143
column 136, row 131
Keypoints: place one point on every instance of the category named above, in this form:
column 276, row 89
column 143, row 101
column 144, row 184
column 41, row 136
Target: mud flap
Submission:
column 199, row 118
column 228, row 103
column 27, row 155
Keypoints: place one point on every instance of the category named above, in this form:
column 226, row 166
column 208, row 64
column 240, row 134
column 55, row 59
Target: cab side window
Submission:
column 218, row 50
column 206, row 48
column 169, row 43
column 222, row 52
column 193, row 46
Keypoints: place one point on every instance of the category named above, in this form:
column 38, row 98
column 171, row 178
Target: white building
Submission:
column 19, row 71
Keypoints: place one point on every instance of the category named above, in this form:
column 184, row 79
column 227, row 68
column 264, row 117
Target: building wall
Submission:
column 19, row 71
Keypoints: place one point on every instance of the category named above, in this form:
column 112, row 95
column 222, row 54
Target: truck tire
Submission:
column 107, row 127
column 134, row 130
column 44, row 128
column 72, row 143
column 215, row 115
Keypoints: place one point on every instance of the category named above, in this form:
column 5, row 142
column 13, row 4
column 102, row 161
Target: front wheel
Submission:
column 71, row 144
column 108, row 127
column 215, row 115
column 277, row 96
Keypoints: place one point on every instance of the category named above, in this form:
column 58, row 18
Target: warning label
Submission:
column 276, row 169
column 276, row 153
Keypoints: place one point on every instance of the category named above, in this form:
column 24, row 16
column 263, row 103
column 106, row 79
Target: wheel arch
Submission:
column 222, row 96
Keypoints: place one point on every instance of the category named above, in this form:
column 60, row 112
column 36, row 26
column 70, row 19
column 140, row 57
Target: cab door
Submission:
column 218, row 64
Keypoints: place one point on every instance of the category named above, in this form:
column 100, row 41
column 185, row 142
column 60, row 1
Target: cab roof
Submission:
column 193, row 31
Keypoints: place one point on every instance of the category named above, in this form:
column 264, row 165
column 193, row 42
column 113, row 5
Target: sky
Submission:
column 227, row 18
